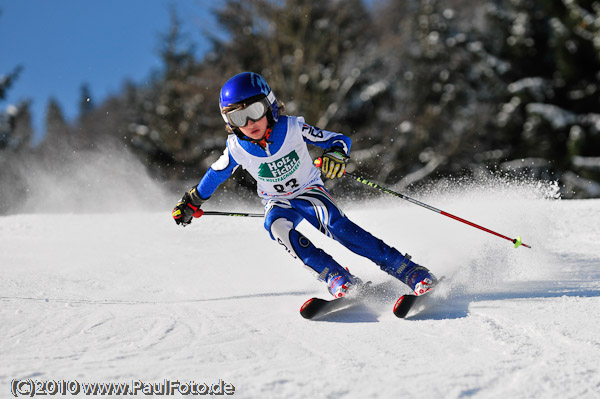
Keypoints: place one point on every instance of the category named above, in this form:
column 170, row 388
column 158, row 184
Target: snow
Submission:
column 127, row 296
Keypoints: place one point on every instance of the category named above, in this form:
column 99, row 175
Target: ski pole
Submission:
column 241, row 214
column 517, row 241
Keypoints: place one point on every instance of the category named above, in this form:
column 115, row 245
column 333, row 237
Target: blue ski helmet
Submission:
column 245, row 86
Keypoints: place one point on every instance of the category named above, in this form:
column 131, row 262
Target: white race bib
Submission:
column 284, row 173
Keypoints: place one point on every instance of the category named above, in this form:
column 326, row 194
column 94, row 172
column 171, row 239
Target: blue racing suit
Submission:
column 292, row 190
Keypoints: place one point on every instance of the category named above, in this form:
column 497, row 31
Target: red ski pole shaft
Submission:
column 516, row 241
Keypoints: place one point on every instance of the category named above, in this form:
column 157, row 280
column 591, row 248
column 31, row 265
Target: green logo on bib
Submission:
column 280, row 169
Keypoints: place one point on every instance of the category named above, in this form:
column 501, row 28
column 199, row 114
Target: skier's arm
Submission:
column 325, row 139
column 336, row 145
column 189, row 205
column 216, row 175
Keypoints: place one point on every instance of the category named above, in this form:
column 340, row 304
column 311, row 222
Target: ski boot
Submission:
column 421, row 281
column 417, row 277
column 340, row 284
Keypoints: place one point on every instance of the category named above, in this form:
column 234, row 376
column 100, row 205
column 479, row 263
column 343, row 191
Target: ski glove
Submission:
column 188, row 207
column 333, row 163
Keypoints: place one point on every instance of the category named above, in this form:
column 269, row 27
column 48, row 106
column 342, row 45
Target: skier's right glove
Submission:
column 188, row 207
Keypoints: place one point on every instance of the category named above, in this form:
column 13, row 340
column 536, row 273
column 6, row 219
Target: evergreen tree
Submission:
column 7, row 117
column 440, row 86
column 307, row 50
column 551, row 104
column 22, row 128
column 58, row 132
column 7, row 80
column 166, row 133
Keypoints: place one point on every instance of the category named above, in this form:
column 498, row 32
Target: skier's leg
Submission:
column 281, row 224
column 318, row 208
column 389, row 259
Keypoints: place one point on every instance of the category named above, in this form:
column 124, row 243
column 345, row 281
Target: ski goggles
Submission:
column 255, row 111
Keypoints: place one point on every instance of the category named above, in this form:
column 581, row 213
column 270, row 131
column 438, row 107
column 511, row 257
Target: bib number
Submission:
column 290, row 184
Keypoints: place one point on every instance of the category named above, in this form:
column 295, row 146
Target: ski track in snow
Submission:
column 121, row 297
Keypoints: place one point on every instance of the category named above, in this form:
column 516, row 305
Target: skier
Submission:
column 272, row 148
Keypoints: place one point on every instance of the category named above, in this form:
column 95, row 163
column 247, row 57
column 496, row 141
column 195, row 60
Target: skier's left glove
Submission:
column 188, row 207
column 333, row 163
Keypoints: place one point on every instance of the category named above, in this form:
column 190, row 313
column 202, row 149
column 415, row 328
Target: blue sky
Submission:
column 62, row 44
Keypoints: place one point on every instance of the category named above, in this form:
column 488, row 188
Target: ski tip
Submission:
column 398, row 302
column 306, row 304
column 404, row 304
column 308, row 310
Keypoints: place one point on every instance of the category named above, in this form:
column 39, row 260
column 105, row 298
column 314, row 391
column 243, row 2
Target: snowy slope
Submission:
column 116, row 297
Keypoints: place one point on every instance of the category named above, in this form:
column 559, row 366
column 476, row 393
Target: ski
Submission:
column 405, row 303
column 316, row 307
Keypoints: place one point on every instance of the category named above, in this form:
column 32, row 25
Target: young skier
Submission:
column 272, row 148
